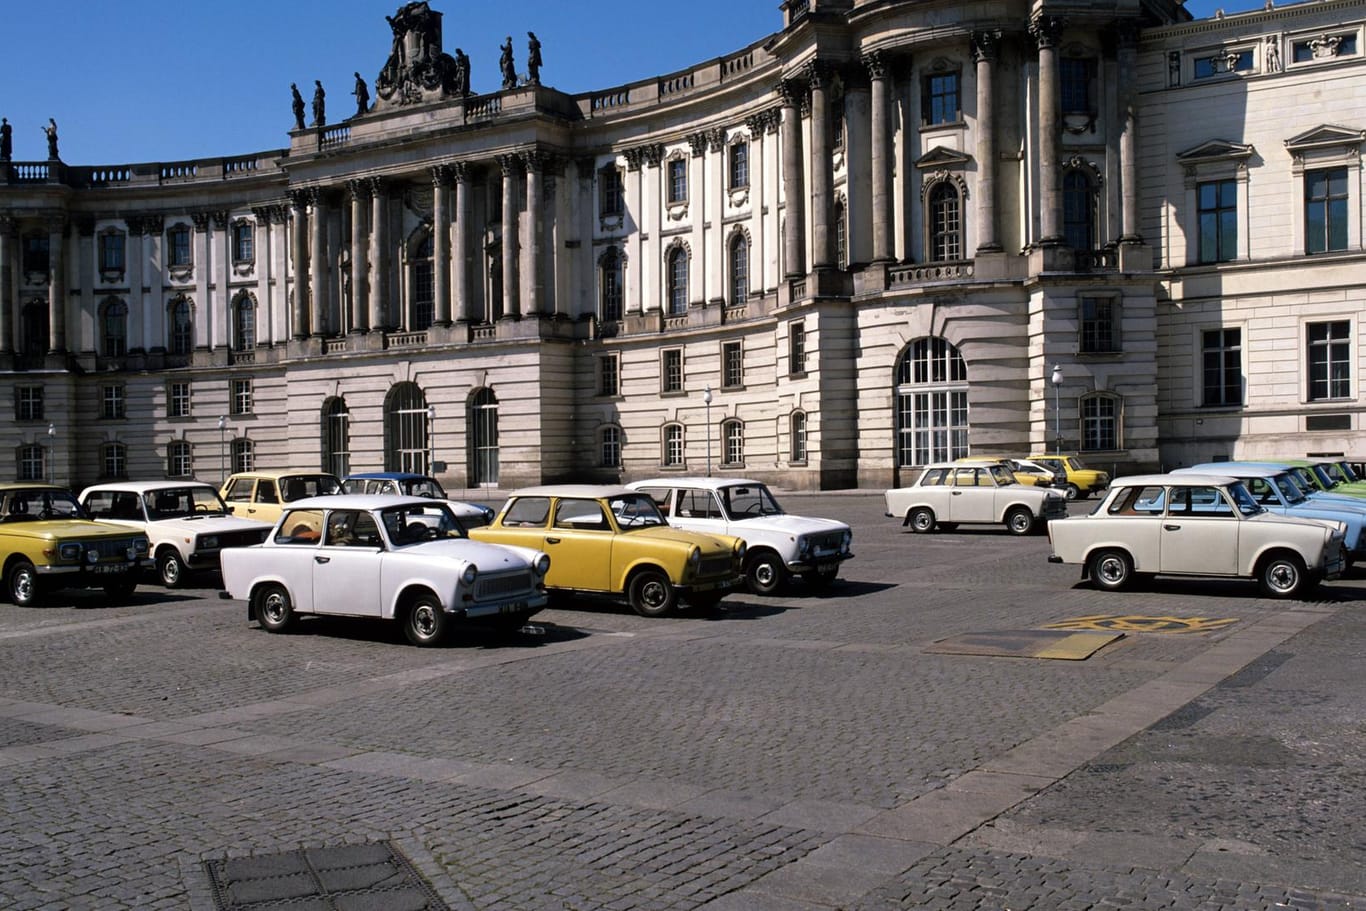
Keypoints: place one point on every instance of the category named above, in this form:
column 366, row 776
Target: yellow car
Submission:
column 1030, row 474
column 48, row 542
column 1081, row 481
column 262, row 495
column 614, row 541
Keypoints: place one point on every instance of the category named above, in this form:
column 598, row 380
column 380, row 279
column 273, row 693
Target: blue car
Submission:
column 405, row 483
column 1276, row 489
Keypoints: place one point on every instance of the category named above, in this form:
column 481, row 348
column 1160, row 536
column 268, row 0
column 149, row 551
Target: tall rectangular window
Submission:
column 178, row 400
column 178, row 246
column 1076, row 76
column 613, row 197
column 1221, row 356
column 671, row 370
column 1099, row 323
column 1330, row 360
column 243, row 249
column 796, row 349
column 241, row 397
column 732, row 365
column 939, row 99
column 1325, row 210
column 739, row 165
column 610, row 453
column 678, row 180
column 609, row 380
column 28, row 403
column 673, row 446
column 111, row 252
column 1217, row 202
column 114, row 402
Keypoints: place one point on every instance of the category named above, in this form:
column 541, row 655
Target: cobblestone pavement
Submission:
column 790, row 753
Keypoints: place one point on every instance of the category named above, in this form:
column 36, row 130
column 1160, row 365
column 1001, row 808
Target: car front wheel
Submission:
column 1283, row 576
column 274, row 609
column 425, row 623
column 922, row 520
column 652, row 594
column 170, row 567
column 1072, row 491
column 1112, row 570
column 24, row 587
column 1020, row 521
column 765, row 573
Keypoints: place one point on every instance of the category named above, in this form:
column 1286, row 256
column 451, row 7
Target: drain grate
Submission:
column 370, row 877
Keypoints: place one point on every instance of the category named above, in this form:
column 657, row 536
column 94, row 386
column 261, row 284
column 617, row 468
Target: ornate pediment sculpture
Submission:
column 418, row 70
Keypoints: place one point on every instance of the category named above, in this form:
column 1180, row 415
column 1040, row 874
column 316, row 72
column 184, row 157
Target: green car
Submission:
column 1327, row 476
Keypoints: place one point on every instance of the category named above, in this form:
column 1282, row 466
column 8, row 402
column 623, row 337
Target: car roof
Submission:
column 1237, row 469
column 1184, row 479
column 573, row 490
column 359, row 501
column 147, row 486
column 967, row 464
column 707, row 483
column 29, row 485
column 387, row 476
column 283, row 473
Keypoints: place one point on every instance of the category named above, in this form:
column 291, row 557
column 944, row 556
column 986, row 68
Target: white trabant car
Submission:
column 186, row 522
column 392, row 557
column 779, row 545
column 950, row 494
column 1196, row 525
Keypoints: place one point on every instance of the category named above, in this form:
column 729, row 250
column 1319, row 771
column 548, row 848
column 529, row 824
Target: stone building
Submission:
column 893, row 231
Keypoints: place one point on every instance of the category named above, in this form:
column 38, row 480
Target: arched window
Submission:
column 244, row 455
column 424, row 287
column 113, row 461
column 797, row 436
column 32, row 459
column 114, row 328
column 678, row 281
column 181, row 327
column 483, row 438
column 243, row 322
column 336, row 436
column 671, row 453
column 732, row 443
column 945, row 222
column 739, row 269
column 932, row 403
column 406, row 438
column 609, row 446
column 178, row 460
column 1080, row 203
column 611, row 275
column 1101, row 414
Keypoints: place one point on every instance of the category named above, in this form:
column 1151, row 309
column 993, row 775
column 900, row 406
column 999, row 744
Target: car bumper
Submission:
column 825, row 563
column 96, row 574
column 710, row 585
column 529, row 604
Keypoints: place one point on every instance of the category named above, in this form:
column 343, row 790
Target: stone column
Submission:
column 360, row 289
column 298, row 209
column 511, row 253
column 318, row 271
column 9, row 232
column 535, row 217
column 881, row 157
column 56, row 285
column 1046, row 31
column 379, row 254
column 822, row 176
column 1130, row 232
column 441, row 245
column 460, row 253
column 794, row 231
column 985, row 47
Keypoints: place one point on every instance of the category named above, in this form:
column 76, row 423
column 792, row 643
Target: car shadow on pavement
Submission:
column 1328, row 592
column 461, row 635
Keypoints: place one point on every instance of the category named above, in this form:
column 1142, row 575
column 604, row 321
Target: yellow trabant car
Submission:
column 1030, row 474
column 1082, row 480
column 48, row 542
column 262, row 495
column 614, row 541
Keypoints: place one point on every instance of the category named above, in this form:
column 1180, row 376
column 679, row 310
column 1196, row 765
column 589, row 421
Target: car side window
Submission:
column 663, row 497
column 698, row 504
column 935, row 477
column 965, row 477
column 100, row 504
column 527, row 512
column 239, row 489
column 302, row 526
column 1139, row 501
column 352, row 528
column 265, row 492
column 580, row 514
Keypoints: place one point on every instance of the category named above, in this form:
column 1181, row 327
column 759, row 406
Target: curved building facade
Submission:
column 893, row 231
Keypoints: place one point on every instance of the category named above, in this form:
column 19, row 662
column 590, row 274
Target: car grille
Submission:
column 829, row 543
column 503, row 585
column 714, row 566
column 244, row 538
column 116, row 549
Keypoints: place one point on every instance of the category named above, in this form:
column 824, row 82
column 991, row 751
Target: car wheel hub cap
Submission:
column 424, row 621
column 654, row 594
column 274, row 608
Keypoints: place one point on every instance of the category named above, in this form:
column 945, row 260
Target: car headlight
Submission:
column 694, row 560
column 92, row 556
column 140, row 545
column 208, row 542
column 740, row 549
column 69, row 551
column 470, row 574
column 131, row 552
column 803, row 546
column 542, row 565
column 848, row 540
column 488, row 515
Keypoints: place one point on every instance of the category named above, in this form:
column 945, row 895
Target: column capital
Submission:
column 535, row 160
column 201, row 221
column 875, row 62
column 792, row 92
column 460, row 171
column 1046, row 31
column 698, row 142
column 817, row 74
column 986, row 45
column 359, row 188
column 441, row 175
column 510, row 164
column 220, row 219
column 378, row 185
column 299, row 197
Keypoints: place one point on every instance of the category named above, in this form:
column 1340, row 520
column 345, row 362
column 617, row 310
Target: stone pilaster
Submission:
column 1046, row 31
column 794, row 225
column 533, row 292
column 985, row 48
column 881, row 156
column 460, row 255
column 360, row 260
column 511, row 166
column 441, row 244
column 298, row 209
column 56, row 285
column 822, row 176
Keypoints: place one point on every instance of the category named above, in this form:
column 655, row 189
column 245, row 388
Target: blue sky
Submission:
column 139, row 80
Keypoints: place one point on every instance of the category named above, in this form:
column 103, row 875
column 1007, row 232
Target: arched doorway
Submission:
column 483, row 438
column 932, row 403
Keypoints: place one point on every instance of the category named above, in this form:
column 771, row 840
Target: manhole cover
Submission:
column 1025, row 643
column 373, row 877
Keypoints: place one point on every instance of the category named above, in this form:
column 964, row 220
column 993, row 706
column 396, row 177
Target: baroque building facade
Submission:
column 892, row 232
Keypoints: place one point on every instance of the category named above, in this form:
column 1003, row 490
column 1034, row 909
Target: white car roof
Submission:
column 360, row 501
column 1183, row 479
column 706, row 483
column 1249, row 471
column 573, row 490
column 146, row 486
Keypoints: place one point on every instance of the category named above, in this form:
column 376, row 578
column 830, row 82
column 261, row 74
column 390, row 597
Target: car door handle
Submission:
column 552, row 540
column 957, row 493
column 322, row 559
column 1171, row 527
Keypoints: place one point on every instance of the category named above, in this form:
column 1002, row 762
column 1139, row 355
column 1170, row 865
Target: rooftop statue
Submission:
column 533, row 59
column 6, row 140
column 297, row 104
column 506, row 64
column 51, row 131
column 417, row 70
column 362, row 96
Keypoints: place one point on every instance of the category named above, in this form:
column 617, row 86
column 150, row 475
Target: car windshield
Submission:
column 1289, row 489
column 748, row 501
column 1078, row 464
column 423, row 487
column 1246, row 502
column 299, row 486
column 182, row 502
column 1334, row 471
column 1348, row 473
column 415, row 523
column 24, row 505
column 635, row 511
column 1003, row 475
column 1325, row 479
column 1301, row 478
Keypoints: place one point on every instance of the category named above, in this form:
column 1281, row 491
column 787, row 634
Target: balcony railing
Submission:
column 924, row 273
column 1104, row 260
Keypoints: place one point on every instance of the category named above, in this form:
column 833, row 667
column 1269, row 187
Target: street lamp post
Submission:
column 51, row 453
column 431, row 442
column 222, row 449
column 706, row 400
column 1057, row 407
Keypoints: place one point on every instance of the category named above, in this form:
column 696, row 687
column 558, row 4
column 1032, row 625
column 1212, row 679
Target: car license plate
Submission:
column 110, row 569
column 826, row 567
column 514, row 607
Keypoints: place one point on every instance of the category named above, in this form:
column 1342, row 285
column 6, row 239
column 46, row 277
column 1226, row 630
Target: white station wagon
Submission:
column 391, row 557
column 779, row 545
column 956, row 493
column 1197, row 525
column 186, row 522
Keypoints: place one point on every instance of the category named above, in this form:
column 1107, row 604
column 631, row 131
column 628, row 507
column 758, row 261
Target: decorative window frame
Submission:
column 927, row 184
column 738, row 194
column 600, row 368
column 796, row 433
column 1325, row 147
column 619, row 443
column 113, row 460
column 610, row 221
column 1078, row 122
column 1198, row 388
column 176, row 451
column 1224, row 61
column 182, row 272
column 171, row 398
column 1118, row 417
column 111, row 276
column 740, row 346
column 242, row 455
column 1325, row 47
column 101, row 316
column 739, row 233
column 678, row 244
column 664, row 390
column 665, row 431
column 241, row 396
column 1216, row 160
column 242, row 266
column 1353, row 357
column 235, row 306
column 599, row 269
column 676, row 209
column 113, row 398
column 171, row 304
column 729, row 425
column 1116, row 300
column 1096, row 175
